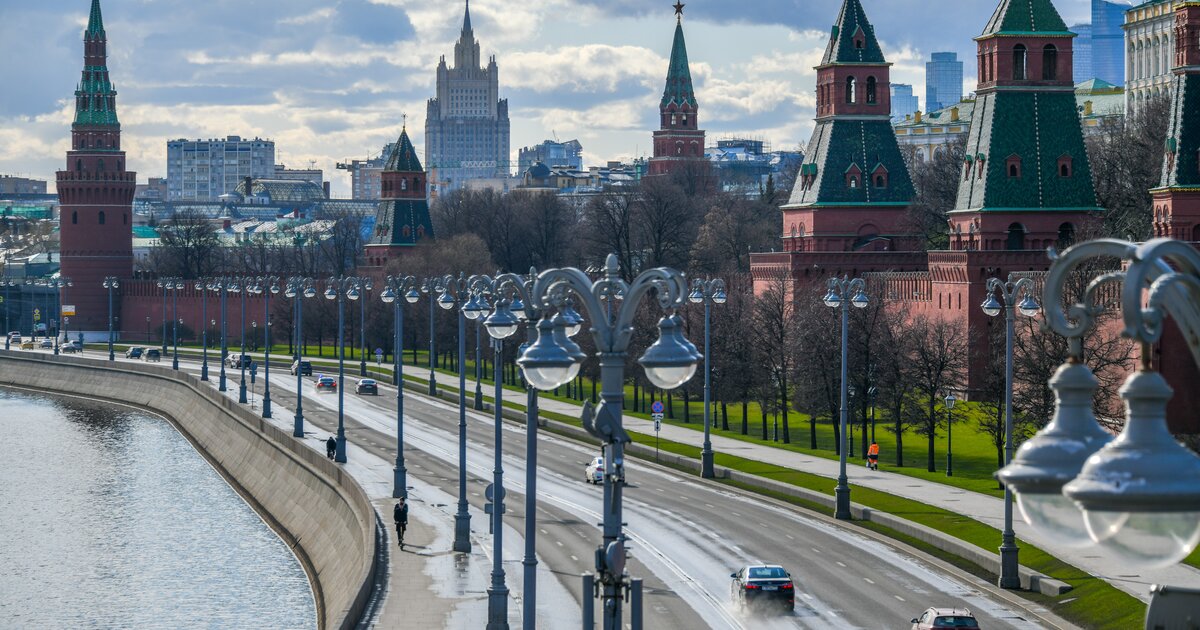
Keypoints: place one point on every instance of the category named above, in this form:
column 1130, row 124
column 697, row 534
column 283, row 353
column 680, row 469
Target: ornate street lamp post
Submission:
column 429, row 287
column 298, row 289
column 362, row 326
column 58, row 284
column 553, row 360
column 242, row 286
column 111, row 283
column 398, row 290
column 203, row 287
column 950, row 400
column 174, row 285
column 222, row 286
column 163, row 286
column 1009, row 292
column 842, row 293
column 709, row 292
column 341, row 289
column 266, row 286
column 454, row 294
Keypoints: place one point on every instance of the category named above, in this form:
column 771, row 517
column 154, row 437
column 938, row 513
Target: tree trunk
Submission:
column 783, row 406
column 812, row 431
column 932, row 435
column 670, row 406
column 899, row 433
column 687, row 406
column 745, row 417
column 764, row 423
column 836, row 421
column 724, row 416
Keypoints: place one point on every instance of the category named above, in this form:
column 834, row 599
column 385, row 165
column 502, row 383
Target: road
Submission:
column 687, row 535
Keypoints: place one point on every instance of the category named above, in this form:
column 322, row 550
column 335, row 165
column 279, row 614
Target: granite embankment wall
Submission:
column 314, row 506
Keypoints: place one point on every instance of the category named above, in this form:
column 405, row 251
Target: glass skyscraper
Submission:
column 1108, row 42
column 1081, row 53
column 943, row 80
column 904, row 103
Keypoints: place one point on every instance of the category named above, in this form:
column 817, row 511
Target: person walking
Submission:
column 873, row 456
column 400, row 515
column 330, row 447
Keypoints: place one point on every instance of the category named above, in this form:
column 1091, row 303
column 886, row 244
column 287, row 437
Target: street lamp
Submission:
column 398, row 290
column 453, row 294
column 872, row 392
column 708, row 292
column 362, row 326
column 267, row 286
column 241, row 286
column 7, row 337
column 840, row 295
column 222, row 285
column 553, row 360
column 163, row 287
column 298, row 289
column 174, row 285
column 1009, row 292
column 111, row 283
column 341, row 289
column 202, row 286
column 429, row 287
column 950, row 400
column 57, row 284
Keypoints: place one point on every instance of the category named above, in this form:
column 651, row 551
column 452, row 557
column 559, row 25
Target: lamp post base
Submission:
column 842, row 494
column 242, row 393
column 298, row 428
column 266, row 407
column 706, row 464
column 432, row 386
column 497, row 608
column 399, row 483
column 362, row 368
column 203, row 372
column 462, row 533
column 949, row 465
column 1010, row 576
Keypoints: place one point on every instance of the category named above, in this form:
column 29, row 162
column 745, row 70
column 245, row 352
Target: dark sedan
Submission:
column 763, row 586
column 367, row 386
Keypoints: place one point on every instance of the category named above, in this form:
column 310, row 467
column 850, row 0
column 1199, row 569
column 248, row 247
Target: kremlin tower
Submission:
column 402, row 220
column 679, row 142
column 95, row 191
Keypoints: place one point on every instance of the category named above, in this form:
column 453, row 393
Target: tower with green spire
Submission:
column 402, row 220
column 95, row 190
column 679, row 141
column 1177, row 198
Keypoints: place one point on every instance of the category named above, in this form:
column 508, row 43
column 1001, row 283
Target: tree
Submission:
column 664, row 224
column 342, row 248
column 733, row 227
column 1126, row 158
column 935, row 181
column 819, row 375
column 937, row 363
column 991, row 395
column 608, row 229
column 188, row 247
column 774, row 327
column 892, row 369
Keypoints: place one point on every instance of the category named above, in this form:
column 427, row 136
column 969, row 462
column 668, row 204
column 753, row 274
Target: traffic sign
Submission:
column 378, row 352
column 658, row 423
column 37, row 314
column 657, row 407
column 489, row 491
column 68, row 310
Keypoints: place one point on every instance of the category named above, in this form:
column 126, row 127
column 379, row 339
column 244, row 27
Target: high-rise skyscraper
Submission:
column 466, row 124
column 943, row 80
column 95, row 190
column 904, row 103
column 1108, row 41
column 1081, row 60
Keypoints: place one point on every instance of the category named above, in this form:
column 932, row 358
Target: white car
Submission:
column 594, row 473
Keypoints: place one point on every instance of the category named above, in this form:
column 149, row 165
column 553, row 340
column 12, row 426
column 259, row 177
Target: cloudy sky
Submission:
column 329, row 80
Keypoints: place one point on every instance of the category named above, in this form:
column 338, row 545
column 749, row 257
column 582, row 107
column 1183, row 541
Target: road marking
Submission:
column 816, row 550
column 869, row 580
column 543, row 531
column 735, row 514
column 841, row 564
column 559, row 543
column 898, row 597
column 710, row 505
column 575, row 559
column 763, row 524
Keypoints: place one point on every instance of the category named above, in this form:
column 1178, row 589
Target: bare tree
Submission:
column 188, row 247
column 342, row 248
column 936, row 183
column 937, row 363
column 774, row 327
column 1126, row 158
column 818, row 376
column 733, row 227
column 896, row 386
column 665, row 224
column 608, row 226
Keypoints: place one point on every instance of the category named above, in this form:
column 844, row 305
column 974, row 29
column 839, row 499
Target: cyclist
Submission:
column 400, row 515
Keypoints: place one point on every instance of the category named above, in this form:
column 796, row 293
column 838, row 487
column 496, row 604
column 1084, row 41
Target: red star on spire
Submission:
column 679, row 8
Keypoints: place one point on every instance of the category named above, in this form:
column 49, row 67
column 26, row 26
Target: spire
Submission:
column 1023, row 17
column 853, row 38
column 467, row 19
column 95, row 20
column 679, row 75
column 404, row 157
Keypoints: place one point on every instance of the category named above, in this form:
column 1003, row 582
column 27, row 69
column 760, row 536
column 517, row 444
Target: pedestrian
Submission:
column 400, row 515
column 873, row 456
column 330, row 447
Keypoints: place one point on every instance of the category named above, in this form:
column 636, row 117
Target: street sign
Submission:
column 657, row 422
column 37, row 314
column 657, row 407
column 489, row 491
column 68, row 310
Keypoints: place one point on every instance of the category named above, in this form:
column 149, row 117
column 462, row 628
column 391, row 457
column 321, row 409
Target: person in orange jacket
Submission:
column 873, row 456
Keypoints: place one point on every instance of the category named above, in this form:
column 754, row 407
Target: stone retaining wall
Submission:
column 314, row 506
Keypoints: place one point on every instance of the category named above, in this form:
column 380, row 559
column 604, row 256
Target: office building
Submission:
column 206, row 169
column 1081, row 53
column 1108, row 42
column 943, row 80
column 904, row 102
column 10, row 185
column 552, row 153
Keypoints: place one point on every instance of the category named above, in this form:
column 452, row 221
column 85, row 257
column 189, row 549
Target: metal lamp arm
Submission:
column 1079, row 317
column 1170, row 269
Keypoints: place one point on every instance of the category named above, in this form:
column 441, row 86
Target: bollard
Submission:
column 635, row 604
column 589, row 601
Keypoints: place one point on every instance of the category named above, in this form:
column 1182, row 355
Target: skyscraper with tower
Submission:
column 679, row 141
column 95, row 190
column 466, row 123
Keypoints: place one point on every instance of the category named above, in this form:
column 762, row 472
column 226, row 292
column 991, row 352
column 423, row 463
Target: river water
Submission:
column 110, row 519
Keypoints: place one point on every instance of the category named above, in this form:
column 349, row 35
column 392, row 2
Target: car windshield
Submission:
column 956, row 621
column 767, row 573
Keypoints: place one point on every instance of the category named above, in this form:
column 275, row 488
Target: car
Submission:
column 152, row 354
column 28, row 345
column 134, row 353
column 367, row 386
column 71, row 347
column 325, row 383
column 14, row 337
column 238, row 361
column 47, row 344
column 594, row 472
column 763, row 586
column 936, row 618
column 303, row 367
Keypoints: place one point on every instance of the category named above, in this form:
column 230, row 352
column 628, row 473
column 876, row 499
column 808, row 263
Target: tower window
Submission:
column 1065, row 164
column 1020, row 59
column 1016, row 237
column 1013, row 166
column 78, row 166
column 1066, row 235
column 853, row 181
column 871, row 90
column 1049, row 63
column 74, row 218
column 416, row 183
column 851, row 88
column 880, row 181
column 101, row 217
column 403, row 184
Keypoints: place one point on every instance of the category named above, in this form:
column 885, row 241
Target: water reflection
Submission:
column 112, row 519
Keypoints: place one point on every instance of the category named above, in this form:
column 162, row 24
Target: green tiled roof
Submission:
column 1183, row 134
column 1017, row 17
column 838, row 145
column 679, row 75
column 393, row 216
column 404, row 156
column 852, row 21
column 1039, row 128
column 95, row 20
column 95, row 98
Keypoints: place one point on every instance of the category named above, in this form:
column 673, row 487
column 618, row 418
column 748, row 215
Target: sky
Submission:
column 331, row 80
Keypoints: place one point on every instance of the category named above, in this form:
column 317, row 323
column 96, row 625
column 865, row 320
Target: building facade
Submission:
column 904, row 102
column 1081, row 65
column 10, row 185
column 314, row 175
column 679, row 140
column 943, row 80
column 95, row 189
column 1149, row 49
column 552, row 153
column 1107, row 42
column 466, row 124
column 206, row 169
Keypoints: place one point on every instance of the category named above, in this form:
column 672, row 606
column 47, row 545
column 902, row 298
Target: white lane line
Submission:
column 816, row 550
column 559, row 543
column 869, row 580
column 575, row 559
column 790, row 537
column 899, row 598
column 841, row 564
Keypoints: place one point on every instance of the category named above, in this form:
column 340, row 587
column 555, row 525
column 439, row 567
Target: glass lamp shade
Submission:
column 696, row 297
column 719, row 297
column 330, row 294
column 1029, row 307
column 412, row 296
column 199, row 286
column 1139, row 496
column 353, row 293
column 388, row 296
column 574, row 320
column 950, row 400
column 832, row 300
column 667, row 362
column 471, row 309
column 275, row 289
column 1055, row 517
column 859, row 300
column 546, row 364
column 991, row 306
column 289, row 292
column 446, row 301
column 518, row 308
column 310, row 292
column 501, row 324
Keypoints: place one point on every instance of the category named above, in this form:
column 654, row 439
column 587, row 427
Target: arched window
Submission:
column 124, row 219
column 100, row 166
column 1016, row 237
column 1020, row 59
column 74, row 218
column 403, row 184
column 101, row 217
column 853, row 181
column 78, row 166
column 851, row 88
column 416, row 183
column 871, row 90
column 1049, row 63
column 880, row 181
column 1066, row 235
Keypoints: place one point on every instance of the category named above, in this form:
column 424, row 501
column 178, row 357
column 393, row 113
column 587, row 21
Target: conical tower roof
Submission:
column 403, row 157
column 95, row 20
column 1025, row 17
column 467, row 19
column 679, row 74
column 853, row 38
